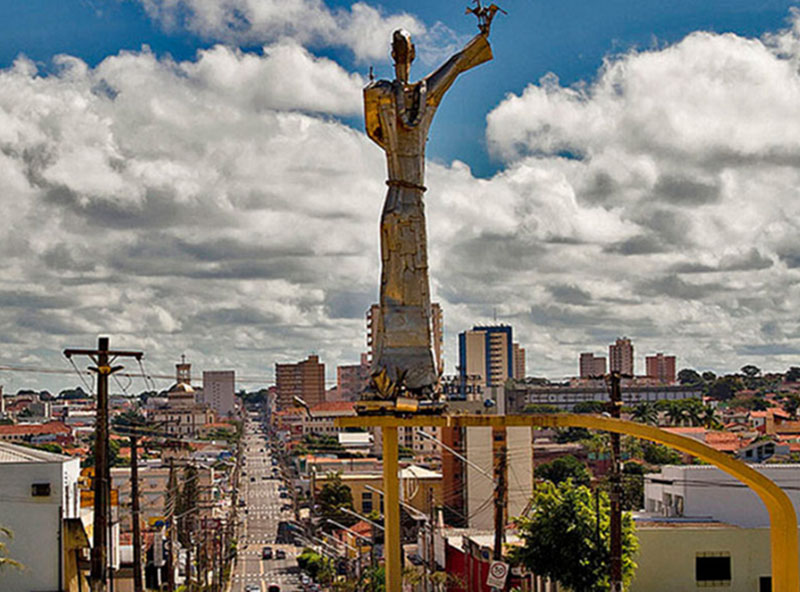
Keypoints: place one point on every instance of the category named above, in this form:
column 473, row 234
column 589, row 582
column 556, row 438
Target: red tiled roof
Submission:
column 35, row 429
column 333, row 406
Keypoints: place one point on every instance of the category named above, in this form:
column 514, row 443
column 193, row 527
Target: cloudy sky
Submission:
column 191, row 176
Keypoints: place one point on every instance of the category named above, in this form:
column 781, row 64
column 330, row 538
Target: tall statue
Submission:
column 398, row 115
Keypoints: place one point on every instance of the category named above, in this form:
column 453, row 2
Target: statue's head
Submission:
column 402, row 54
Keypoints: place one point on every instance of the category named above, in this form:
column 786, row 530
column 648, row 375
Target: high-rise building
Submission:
column 620, row 356
column 661, row 368
column 486, row 356
column 519, row 361
column 591, row 365
column 305, row 380
column 352, row 379
column 219, row 391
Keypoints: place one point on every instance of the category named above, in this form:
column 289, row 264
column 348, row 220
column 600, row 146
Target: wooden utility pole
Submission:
column 615, row 478
column 500, row 500
column 103, row 358
column 138, row 585
column 172, row 500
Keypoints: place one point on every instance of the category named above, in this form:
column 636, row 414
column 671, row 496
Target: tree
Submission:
column 750, row 371
column 689, row 376
column 645, row 413
column 589, row 407
column 709, row 376
column 567, row 540
column 792, row 374
column 318, row 567
column 6, row 561
column 656, row 454
column 334, row 496
column 791, row 404
column 676, row 413
column 709, row 419
column 541, row 408
column 563, row 468
column 725, row 388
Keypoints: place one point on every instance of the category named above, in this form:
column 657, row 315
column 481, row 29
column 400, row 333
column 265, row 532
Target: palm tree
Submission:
column 645, row 413
column 693, row 411
column 676, row 413
column 710, row 419
column 6, row 561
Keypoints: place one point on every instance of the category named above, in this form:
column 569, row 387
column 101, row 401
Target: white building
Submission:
column 481, row 447
column 702, row 491
column 40, row 504
column 219, row 391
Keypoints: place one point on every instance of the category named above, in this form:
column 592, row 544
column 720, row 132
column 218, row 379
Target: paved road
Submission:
column 259, row 490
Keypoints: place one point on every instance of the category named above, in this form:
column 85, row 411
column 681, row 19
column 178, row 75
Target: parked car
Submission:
column 280, row 554
column 266, row 553
column 273, row 588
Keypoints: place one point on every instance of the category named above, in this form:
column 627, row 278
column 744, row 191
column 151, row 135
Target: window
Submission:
column 366, row 502
column 713, row 569
column 765, row 584
column 40, row 490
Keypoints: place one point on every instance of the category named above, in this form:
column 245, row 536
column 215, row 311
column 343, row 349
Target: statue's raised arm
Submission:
column 476, row 52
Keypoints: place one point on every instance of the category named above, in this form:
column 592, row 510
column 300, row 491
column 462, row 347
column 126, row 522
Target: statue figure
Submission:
column 398, row 115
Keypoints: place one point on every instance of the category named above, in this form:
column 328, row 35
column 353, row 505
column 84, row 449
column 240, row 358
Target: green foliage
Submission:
column 791, row 404
column 645, row 413
column 541, row 408
column 319, row 444
column 689, row 376
column 562, row 469
column 567, row 539
column 334, row 496
column 657, row 454
column 572, row 435
column 725, row 388
column 590, row 407
column 113, row 455
column 792, row 374
column 318, row 567
column 750, row 371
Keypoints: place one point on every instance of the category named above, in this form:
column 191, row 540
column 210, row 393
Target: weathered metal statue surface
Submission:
column 398, row 115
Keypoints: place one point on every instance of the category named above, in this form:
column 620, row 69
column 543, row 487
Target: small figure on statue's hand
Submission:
column 485, row 15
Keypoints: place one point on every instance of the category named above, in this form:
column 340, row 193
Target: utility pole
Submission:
column 172, row 500
column 500, row 465
column 138, row 585
column 615, row 394
column 102, row 358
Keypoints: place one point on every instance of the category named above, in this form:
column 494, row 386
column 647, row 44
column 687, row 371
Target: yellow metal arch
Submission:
column 783, row 520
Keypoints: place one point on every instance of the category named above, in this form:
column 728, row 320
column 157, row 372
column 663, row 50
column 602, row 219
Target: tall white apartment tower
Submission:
column 219, row 391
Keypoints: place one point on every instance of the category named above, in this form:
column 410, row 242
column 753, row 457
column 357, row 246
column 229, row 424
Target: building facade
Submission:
column 620, row 357
column 661, row 368
column 40, row 504
column 305, row 380
column 591, row 366
column 219, row 391
column 488, row 356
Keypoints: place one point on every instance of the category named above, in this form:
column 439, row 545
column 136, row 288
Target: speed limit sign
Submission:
column 498, row 572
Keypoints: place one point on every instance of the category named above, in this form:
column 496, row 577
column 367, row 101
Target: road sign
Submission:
column 498, row 572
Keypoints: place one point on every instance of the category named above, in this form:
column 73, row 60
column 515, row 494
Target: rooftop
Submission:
column 12, row 453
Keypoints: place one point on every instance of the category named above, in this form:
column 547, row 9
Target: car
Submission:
column 273, row 588
column 280, row 554
column 252, row 588
column 252, row 479
column 283, row 495
column 266, row 553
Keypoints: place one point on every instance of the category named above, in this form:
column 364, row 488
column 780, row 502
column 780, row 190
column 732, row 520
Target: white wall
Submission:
column 480, row 489
column 35, row 521
column 709, row 492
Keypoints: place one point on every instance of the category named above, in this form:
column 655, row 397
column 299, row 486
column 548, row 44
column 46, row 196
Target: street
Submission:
column 261, row 512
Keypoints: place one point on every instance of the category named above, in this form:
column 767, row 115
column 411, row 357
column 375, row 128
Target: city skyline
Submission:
column 223, row 202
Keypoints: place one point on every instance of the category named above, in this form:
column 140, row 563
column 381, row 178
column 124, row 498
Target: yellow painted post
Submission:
column 391, row 511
